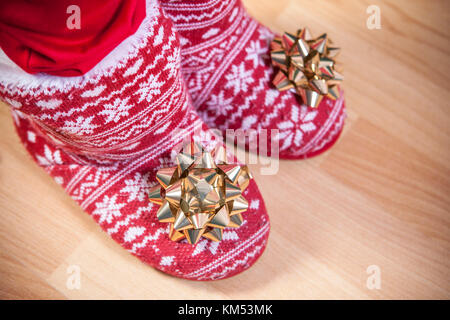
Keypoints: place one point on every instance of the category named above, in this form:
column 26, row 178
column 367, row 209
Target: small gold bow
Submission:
column 306, row 65
column 201, row 195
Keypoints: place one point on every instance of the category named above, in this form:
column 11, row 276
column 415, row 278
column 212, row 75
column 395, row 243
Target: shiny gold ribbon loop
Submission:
column 201, row 195
column 306, row 65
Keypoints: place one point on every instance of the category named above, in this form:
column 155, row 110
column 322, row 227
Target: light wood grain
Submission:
column 379, row 197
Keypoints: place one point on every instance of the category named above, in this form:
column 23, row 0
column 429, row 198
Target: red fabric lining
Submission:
column 34, row 33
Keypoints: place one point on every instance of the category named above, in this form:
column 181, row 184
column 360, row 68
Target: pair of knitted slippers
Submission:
column 112, row 137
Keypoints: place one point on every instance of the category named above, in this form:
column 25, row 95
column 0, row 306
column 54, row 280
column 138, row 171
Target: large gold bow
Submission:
column 201, row 195
column 306, row 65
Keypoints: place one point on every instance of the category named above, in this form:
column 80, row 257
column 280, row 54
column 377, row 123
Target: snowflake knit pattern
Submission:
column 103, row 136
column 227, row 67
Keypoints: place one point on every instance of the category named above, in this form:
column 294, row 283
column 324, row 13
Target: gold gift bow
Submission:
column 307, row 65
column 201, row 195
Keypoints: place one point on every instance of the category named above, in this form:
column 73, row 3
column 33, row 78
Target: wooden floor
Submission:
column 380, row 197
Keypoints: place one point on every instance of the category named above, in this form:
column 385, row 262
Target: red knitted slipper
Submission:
column 104, row 135
column 228, row 70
